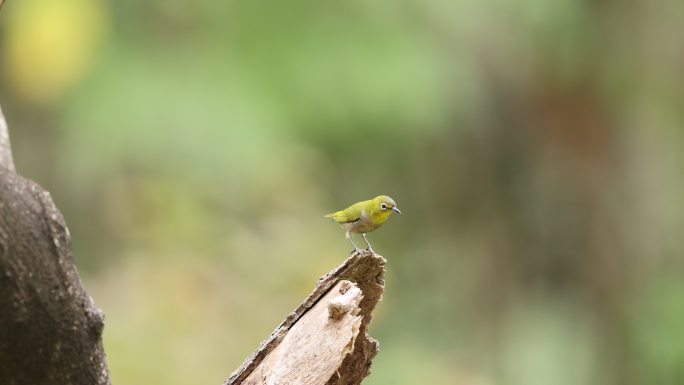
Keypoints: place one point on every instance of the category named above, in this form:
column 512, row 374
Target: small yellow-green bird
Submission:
column 364, row 217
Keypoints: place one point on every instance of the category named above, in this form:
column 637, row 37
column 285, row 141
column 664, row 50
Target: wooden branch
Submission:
column 324, row 340
column 50, row 328
column 6, row 159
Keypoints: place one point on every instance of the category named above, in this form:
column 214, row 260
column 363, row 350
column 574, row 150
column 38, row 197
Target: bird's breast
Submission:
column 363, row 225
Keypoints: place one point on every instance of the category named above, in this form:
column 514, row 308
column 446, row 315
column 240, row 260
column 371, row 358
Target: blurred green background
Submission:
column 534, row 147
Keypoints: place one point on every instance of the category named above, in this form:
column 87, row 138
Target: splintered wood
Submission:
column 324, row 340
column 315, row 346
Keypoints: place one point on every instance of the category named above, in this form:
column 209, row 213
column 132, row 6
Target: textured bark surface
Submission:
column 50, row 329
column 324, row 341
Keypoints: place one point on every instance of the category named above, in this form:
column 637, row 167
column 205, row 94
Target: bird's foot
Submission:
column 362, row 251
column 371, row 250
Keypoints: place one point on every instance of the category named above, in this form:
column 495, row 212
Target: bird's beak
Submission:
column 396, row 210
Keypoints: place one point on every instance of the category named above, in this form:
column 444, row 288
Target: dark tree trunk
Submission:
column 50, row 328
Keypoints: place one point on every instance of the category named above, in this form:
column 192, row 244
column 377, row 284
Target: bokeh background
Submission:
column 535, row 148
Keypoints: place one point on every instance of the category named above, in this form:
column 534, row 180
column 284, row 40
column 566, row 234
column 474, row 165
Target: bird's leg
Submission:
column 368, row 243
column 356, row 248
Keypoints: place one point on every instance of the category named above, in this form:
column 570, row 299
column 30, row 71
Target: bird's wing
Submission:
column 348, row 215
column 343, row 217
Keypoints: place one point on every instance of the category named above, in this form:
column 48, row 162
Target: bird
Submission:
column 364, row 217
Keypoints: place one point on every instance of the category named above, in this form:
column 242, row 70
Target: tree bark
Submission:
column 324, row 341
column 50, row 328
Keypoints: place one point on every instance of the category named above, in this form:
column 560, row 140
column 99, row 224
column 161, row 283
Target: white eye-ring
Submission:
column 383, row 206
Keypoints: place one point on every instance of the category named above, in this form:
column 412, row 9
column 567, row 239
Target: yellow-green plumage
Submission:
column 364, row 217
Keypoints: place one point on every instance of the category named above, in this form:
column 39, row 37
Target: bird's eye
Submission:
column 383, row 206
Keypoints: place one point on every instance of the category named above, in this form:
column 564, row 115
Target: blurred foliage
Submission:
column 534, row 148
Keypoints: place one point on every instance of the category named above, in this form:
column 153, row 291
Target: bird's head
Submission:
column 385, row 204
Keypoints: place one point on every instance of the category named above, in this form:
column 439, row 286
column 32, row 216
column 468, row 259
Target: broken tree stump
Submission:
column 324, row 341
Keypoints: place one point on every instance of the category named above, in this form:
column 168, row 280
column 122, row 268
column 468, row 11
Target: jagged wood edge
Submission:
column 356, row 269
